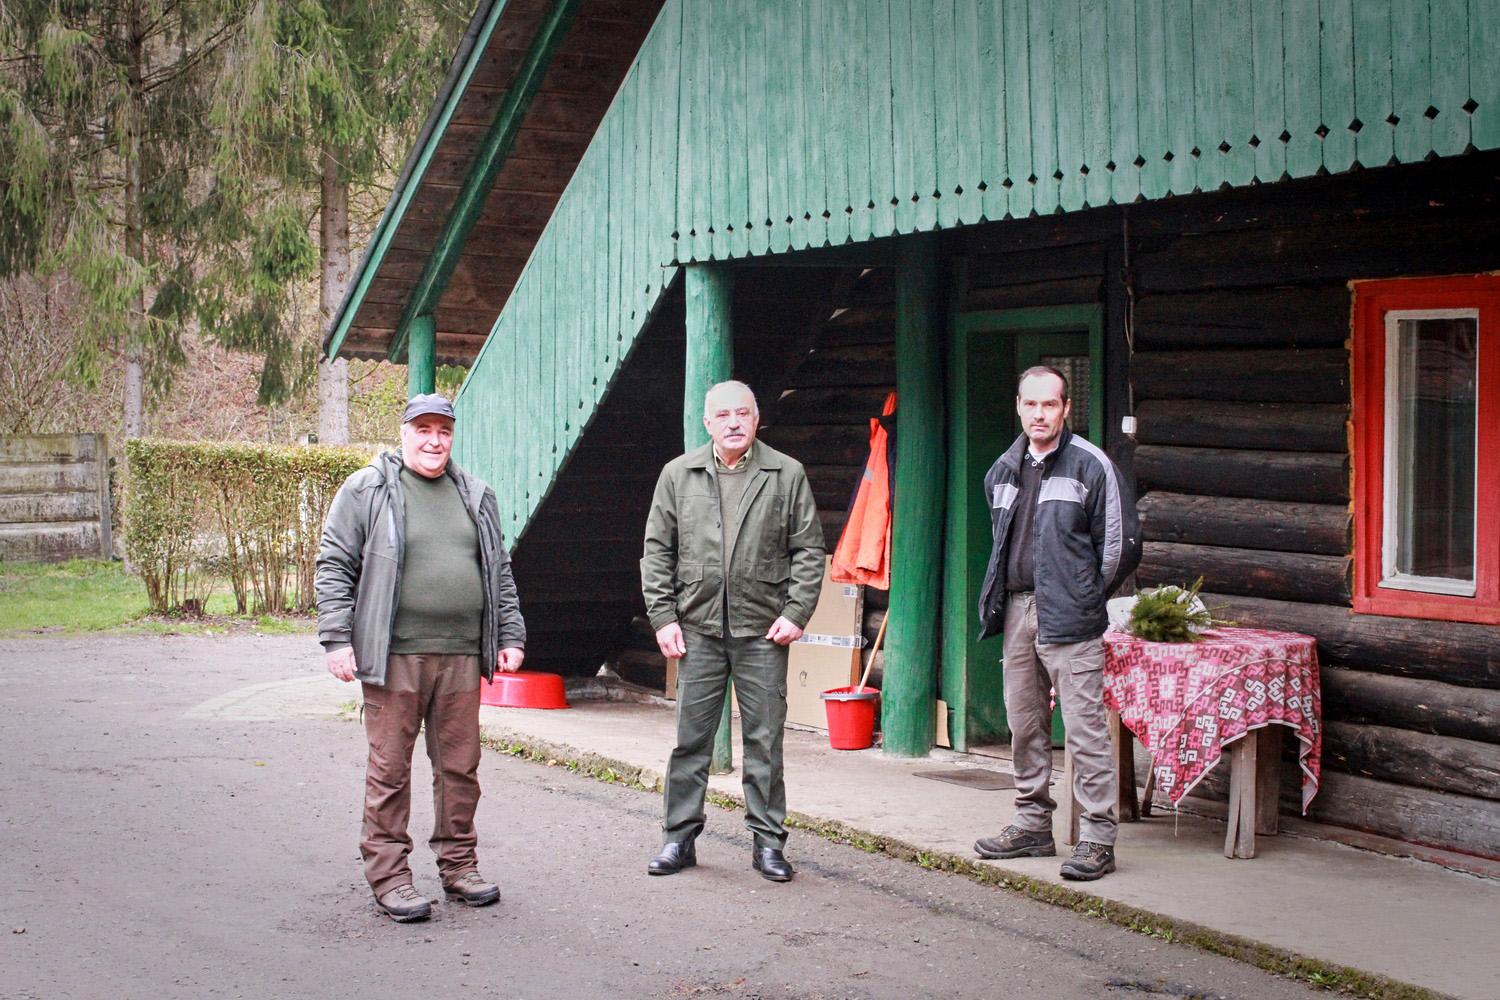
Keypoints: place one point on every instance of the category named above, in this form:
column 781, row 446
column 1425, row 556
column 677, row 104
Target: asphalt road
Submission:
column 164, row 834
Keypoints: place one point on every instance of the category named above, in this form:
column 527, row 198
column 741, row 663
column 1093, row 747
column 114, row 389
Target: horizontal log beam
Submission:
column 1286, row 576
column 1406, row 703
column 1315, row 375
column 1421, row 760
column 1453, row 652
column 1245, row 523
column 1304, row 476
column 1284, row 317
column 1416, row 815
column 842, row 445
column 1270, row 426
column 828, row 406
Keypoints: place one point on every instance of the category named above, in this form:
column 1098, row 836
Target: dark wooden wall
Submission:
column 1241, row 383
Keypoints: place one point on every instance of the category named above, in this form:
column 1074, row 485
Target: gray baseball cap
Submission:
column 430, row 402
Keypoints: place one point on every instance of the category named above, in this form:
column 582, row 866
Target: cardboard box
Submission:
column 828, row 655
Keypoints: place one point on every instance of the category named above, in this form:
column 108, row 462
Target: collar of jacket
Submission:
column 1011, row 460
column 760, row 457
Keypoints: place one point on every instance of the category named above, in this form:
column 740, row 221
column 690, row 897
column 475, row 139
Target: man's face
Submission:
column 426, row 442
column 1042, row 409
column 731, row 420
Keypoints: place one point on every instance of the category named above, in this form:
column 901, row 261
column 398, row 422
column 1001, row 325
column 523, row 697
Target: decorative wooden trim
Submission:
column 1372, row 301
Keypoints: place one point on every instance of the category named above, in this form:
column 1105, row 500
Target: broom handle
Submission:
column 873, row 650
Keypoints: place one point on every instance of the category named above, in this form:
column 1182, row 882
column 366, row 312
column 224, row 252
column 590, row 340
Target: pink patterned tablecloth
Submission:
column 1187, row 700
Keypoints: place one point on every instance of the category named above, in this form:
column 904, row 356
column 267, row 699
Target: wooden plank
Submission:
column 999, row 76
column 1336, row 82
column 797, row 55
column 856, row 108
column 1277, row 576
column 881, row 60
column 1374, row 145
column 1268, row 741
column 903, row 110
column 1308, row 477
column 1245, row 523
column 1450, row 74
column 1177, row 38
column 1151, row 78
column 1411, row 80
column 1484, row 78
column 972, row 129
column 1020, row 129
column 923, row 114
column 1208, row 95
column 758, row 167
column 1269, row 66
column 1425, row 706
column 1237, row 110
column 1044, row 111
column 1095, row 102
column 1067, row 55
column 837, row 119
column 954, row 50
column 1303, row 111
column 1239, row 835
column 1121, row 57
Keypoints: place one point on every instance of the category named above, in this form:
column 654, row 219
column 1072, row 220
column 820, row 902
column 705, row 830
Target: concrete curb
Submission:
column 1333, row 977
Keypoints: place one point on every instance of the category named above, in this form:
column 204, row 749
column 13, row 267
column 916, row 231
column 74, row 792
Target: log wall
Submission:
column 54, row 497
column 1241, row 389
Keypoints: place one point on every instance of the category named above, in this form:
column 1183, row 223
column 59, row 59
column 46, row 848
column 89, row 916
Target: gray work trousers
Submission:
column 442, row 691
column 758, row 667
column 1075, row 670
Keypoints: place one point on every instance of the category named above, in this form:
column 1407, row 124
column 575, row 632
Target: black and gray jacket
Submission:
column 360, row 560
column 1088, row 539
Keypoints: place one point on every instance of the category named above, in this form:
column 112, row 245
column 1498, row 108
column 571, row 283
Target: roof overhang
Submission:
column 527, row 88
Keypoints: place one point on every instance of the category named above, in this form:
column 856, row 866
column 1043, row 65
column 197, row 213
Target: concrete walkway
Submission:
column 1396, row 919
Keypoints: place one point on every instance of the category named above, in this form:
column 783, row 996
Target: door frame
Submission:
column 970, row 671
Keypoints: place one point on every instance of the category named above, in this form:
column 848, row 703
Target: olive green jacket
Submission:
column 777, row 564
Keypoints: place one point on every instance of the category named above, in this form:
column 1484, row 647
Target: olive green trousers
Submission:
column 758, row 667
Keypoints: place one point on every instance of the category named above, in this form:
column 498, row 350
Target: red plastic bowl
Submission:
column 523, row 689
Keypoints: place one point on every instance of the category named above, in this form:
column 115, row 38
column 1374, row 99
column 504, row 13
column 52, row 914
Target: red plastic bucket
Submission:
column 523, row 689
column 851, row 716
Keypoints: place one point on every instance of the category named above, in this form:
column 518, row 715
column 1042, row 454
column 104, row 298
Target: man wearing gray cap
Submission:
column 417, row 601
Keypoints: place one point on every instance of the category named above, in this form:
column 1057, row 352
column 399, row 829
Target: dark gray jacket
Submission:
column 1087, row 540
column 361, row 557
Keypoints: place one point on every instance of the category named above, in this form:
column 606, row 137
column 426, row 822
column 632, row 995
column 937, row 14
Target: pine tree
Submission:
column 104, row 139
column 318, row 96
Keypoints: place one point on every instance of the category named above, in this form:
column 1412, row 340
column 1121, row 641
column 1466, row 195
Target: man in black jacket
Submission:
column 1066, row 535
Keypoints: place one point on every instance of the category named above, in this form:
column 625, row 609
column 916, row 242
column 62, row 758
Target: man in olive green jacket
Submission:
column 732, row 568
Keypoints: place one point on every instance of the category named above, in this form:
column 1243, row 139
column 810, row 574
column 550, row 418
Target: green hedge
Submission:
column 200, row 512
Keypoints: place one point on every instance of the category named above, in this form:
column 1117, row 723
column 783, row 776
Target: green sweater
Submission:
column 442, row 594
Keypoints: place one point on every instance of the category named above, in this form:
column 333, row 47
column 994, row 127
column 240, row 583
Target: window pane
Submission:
column 1076, row 369
column 1435, row 400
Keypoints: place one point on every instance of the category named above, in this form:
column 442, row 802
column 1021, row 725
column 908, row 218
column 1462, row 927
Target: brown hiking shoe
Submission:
column 404, row 904
column 1014, row 842
column 1089, row 861
column 473, row 889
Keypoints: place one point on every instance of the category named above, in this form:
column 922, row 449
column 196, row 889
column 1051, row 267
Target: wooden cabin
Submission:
column 1268, row 232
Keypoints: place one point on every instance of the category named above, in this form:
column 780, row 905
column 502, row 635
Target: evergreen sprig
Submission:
column 1172, row 614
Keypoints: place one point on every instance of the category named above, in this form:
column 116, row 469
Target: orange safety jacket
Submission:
column 863, row 554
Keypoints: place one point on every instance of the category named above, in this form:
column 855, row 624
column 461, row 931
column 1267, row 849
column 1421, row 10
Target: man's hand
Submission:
column 510, row 660
column 669, row 640
column 341, row 663
column 783, row 632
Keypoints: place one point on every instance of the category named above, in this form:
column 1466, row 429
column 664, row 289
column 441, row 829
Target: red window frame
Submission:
column 1373, row 300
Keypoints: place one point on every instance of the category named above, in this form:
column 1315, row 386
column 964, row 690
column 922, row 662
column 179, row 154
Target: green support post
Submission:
column 909, row 687
column 710, row 360
column 421, row 355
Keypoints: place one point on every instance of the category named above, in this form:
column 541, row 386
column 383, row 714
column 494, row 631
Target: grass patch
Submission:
column 95, row 595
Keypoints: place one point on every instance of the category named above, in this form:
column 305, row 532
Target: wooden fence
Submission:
column 54, row 497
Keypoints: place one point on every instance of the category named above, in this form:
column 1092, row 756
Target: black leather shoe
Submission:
column 771, row 864
column 674, row 857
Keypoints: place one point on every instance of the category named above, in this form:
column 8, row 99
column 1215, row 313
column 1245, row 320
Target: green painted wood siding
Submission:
column 751, row 127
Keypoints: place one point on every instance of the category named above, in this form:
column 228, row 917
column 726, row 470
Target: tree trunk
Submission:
column 134, row 240
column 333, row 376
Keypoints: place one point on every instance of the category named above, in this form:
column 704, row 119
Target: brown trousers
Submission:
column 441, row 690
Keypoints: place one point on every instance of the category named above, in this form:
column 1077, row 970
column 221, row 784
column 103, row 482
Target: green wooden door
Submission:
column 990, row 349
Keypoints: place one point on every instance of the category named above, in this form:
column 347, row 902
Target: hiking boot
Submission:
column 1014, row 842
column 472, row 889
column 404, row 904
column 1089, row 861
